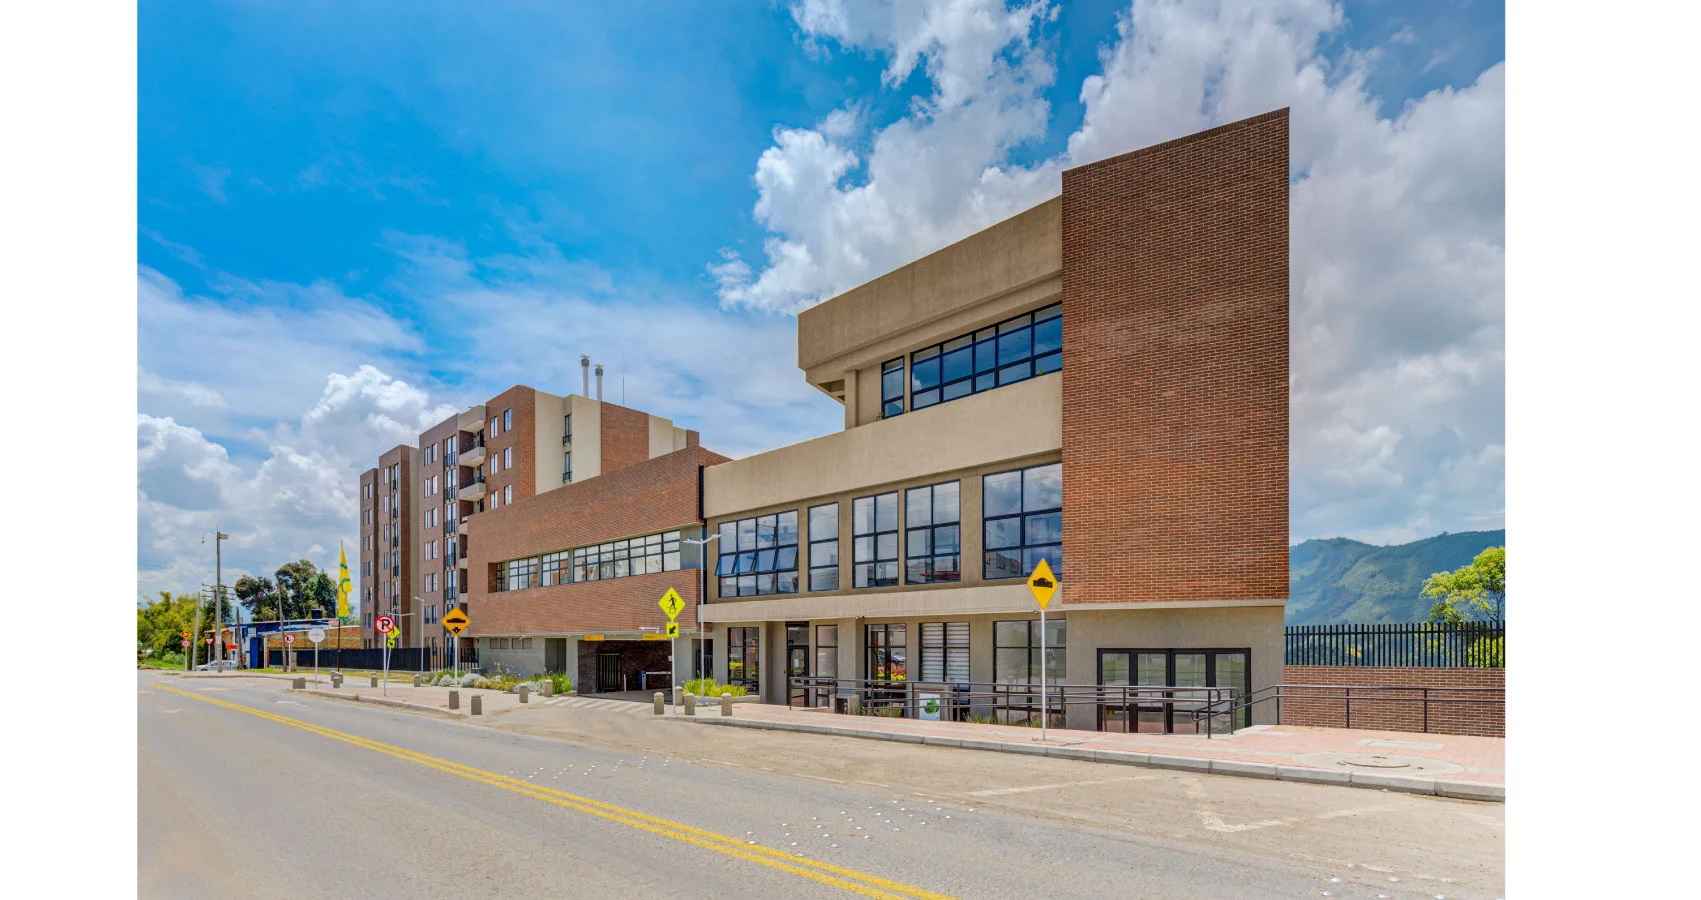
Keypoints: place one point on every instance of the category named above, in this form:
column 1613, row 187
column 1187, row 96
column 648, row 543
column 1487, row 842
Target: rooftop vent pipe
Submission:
column 599, row 382
column 585, row 370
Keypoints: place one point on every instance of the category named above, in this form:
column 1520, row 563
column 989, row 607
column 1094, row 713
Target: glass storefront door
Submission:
column 888, row 661
column 1177, row 678
column 743, row 650
column 797, row 661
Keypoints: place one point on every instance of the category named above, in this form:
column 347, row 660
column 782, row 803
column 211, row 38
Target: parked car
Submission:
column 223, row 665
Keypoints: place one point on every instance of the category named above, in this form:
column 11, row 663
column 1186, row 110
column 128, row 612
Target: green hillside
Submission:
column 1341, row 580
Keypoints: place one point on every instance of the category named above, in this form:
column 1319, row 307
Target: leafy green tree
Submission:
column 1479, row 587
column 298, row 590
column 258, row 596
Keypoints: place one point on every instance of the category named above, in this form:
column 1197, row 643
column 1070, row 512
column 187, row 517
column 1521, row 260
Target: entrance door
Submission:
column 1176, row 682
column 1114, row 671
column 743, row 649
column 608, row 671
column 888, row 661
column 797, row 662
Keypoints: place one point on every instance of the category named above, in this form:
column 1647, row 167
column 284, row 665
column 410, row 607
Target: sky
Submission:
column 354, row 219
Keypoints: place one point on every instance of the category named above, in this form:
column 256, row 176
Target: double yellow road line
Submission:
column 815, row 870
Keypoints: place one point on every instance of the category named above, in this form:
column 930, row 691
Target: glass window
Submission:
column 888, row 656
column 1013, row 351
column 1016, row 651
column 892, row 388
column 762, row 547
column 824, row 547
column 945, row 652
column 1023, row 521
column 874, row 544
column 507, row 420
column 827, row 651
column 742, row 657
column 931, row 517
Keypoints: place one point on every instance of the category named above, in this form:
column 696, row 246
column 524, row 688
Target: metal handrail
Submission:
column 1278, row 692
column 902, row 698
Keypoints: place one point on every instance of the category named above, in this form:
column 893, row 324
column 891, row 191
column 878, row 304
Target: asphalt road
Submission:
column 247, row 790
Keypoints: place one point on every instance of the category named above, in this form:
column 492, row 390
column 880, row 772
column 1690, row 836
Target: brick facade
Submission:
column 645, row 498
column 1398, row 710
column 393, row 585
column 366, row 571
column 1175, row 374
column 625, row 437
column 520, row 436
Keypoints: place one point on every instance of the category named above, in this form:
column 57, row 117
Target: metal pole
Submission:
column 218, row 596
column 1043, row 705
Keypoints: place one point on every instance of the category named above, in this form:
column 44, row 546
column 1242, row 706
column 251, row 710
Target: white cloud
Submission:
column 1397, row 222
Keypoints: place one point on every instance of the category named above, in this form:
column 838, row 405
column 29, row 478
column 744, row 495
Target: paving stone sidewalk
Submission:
column 1449, row 765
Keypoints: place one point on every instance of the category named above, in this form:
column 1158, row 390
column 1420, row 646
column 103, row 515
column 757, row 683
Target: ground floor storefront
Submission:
column 988, row 666
column 608, row 662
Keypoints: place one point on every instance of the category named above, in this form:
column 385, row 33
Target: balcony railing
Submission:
column 476, row 479
column 474, row 444
column 566, row 477
column 566, row 439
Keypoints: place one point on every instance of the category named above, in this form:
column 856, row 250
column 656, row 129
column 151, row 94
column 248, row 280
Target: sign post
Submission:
column 1043, row 584
column 187, row 662
column 386, row 626
column 316, row 634
column 456, row 622
column 671, row 604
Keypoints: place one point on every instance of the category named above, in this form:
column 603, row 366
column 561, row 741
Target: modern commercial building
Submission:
column 1100, row 381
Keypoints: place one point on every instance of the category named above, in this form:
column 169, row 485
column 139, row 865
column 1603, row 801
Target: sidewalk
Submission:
column 1472, row 768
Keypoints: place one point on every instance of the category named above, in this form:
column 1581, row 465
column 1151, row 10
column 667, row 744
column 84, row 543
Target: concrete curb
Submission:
column 1458, row 790
column 382, row 701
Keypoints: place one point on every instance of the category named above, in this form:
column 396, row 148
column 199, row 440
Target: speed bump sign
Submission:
column 456, row 621
column 1042, row 583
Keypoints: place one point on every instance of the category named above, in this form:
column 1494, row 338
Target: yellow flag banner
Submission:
column 344, row 585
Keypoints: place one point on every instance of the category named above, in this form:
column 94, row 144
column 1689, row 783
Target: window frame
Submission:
column 752, row 568
column 944, row 385
column 931, row 532
column 1057, row 650
column 875, row 559
column 824, row 542
column 892, row 405
column 951, row 641
column 1023, row 517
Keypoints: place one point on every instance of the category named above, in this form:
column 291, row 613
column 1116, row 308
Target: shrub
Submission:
column 559, row 681
column 706, row 687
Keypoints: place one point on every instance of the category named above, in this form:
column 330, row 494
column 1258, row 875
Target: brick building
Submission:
column 1100, row 381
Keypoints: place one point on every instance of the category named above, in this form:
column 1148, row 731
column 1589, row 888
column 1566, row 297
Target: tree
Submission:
column 160, row 624
column 258, row 596
column 301, row 591
column 1479, row 587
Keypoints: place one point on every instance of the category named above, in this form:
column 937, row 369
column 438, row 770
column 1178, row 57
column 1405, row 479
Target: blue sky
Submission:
column 353, row 217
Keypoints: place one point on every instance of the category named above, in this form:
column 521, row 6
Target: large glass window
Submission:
column 874, row 534
column 759, row 555
column 892, row 388
column 519, row 573
column 1016, row 651
column 888, row 656
column 743, row 651
column 633, row 556
column 1006, row 353
column 945, row 652
column 827, row 651
column 824, row 547
column 931, row 534
column 1022, row 514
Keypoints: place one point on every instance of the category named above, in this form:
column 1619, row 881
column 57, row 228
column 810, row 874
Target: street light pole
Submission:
column 218, row 594
column 702, row 595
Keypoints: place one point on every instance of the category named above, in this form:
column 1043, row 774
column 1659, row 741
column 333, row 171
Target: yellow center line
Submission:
column 815, row 870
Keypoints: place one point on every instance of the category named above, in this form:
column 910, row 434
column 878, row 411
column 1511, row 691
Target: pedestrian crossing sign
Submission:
column 671, row 604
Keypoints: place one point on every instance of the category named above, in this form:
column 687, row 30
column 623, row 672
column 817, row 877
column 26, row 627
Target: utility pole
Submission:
column 218, row 592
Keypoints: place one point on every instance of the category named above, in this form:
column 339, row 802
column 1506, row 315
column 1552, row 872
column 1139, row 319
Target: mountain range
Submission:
column 1341, row 580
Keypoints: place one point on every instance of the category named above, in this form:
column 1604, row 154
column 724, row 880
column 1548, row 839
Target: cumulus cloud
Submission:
column 1398, row 221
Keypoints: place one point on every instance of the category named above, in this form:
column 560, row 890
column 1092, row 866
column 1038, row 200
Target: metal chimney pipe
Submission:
column 585, row 370
column 599, row 382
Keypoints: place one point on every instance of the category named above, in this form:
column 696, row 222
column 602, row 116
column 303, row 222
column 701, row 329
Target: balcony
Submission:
column 567, row 441
column 566, row 477
column 472, row 491
column 471, row 454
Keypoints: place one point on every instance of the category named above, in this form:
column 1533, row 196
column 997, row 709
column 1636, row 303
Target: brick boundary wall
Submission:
column 1396, row 710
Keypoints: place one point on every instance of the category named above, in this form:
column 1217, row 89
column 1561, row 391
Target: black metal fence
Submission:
column 402, row 659
column 1417, row 644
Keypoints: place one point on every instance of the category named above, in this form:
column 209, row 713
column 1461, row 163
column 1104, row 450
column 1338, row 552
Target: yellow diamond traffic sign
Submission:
column 672, row 630
column 456, row 621
column 671, row 604
column 390, row 640
column 1042, row 583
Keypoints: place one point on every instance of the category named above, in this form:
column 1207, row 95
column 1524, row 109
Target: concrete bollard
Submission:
column 661, row 703
column 678, row 698
column 454, row 699
column 853, row 704
column 299, row 684
column 374, row 681
column 726, row 704
column 525, row 694
column 336, row 679
column 690, row 703
column 477, row 705
column 547, row 689
column 418, row 680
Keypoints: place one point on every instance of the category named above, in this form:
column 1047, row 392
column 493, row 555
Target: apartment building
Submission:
column 1100, row 381
column 517, row 445
column 389, row 569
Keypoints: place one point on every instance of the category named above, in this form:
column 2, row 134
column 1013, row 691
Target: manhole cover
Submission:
column 1420, row 766
column 1376, row 762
